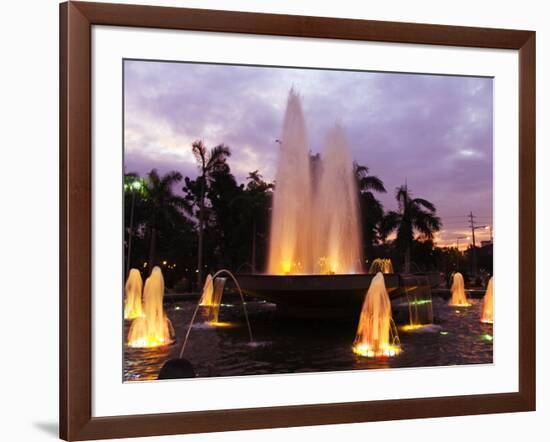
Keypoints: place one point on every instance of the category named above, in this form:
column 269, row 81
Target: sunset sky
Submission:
column 434, row 132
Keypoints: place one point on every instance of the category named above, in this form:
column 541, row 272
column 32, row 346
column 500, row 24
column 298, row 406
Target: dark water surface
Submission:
column 292, row 346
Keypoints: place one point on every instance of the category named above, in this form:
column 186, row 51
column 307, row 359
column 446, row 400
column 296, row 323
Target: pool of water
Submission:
column 290, row 346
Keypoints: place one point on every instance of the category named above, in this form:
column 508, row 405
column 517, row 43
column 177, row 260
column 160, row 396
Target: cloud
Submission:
column 432, row 131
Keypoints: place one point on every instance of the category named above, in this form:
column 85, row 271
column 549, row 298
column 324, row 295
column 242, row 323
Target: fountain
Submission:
column 381, row 265
column 315, row 218
column 153, row 329
column 376, row 332
column 132, row 298
column 487, row 310
column 292, row 215
column 207, row 292
column 314, row 263
column 213, row 313
column 458, row 294
column 180, row 367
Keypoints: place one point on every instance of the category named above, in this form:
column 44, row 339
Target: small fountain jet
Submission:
column 376, row 333
column 487, row 310
column 154, row 329
column 132, row 299
column 458, row 294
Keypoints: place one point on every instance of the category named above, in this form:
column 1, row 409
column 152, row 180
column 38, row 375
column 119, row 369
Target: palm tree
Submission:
column 415, row 214
column 163, row 205
column 372, row 211
column 259, row 194
column 208, row 162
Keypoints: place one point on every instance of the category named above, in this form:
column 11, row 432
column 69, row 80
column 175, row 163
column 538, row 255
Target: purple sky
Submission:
column 435, row 132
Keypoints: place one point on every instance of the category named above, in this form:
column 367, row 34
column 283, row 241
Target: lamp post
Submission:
column 134, row 187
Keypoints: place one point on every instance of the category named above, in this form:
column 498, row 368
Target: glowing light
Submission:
column 444, row 333
column 286, row 267
column 154, row 329
column 458, row 294
column 487, row 337
column 421, row 302
column 487, row 310
column 220, row 324
column 411, row 327
column 207, row 292
column 315, row 225
column 149, row 342
column 376, row 332
column 132, row 299
column 367, row 352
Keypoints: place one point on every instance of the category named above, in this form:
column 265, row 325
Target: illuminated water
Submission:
column 458, row 294
column 153, row 328
column 381, row 265
column 315, row 218
column 284, row 346
column 207, row 297
column 132, row 295
column 487, row 309
column 376, row 332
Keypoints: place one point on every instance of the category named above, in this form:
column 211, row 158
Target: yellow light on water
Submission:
column 367, row 352
column 467, row 304
column 411, row 327
column 148, row 342
column 220, row 324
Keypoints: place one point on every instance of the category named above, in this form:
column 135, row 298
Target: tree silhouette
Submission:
column 162, row 205
column 415, row 214
column 208, row 162
column 372, row 211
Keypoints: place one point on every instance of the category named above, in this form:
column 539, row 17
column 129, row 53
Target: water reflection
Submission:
column 285, row 346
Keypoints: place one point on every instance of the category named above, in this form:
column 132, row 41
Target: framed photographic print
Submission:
column 272, row 220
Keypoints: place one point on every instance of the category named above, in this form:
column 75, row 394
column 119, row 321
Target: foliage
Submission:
column 415, row 215
column 229, row 222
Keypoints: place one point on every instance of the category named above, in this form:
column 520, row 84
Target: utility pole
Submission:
column 474, row 257
column 458, row 238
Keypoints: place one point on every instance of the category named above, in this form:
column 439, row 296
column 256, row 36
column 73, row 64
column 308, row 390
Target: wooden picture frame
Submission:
column 76, row 21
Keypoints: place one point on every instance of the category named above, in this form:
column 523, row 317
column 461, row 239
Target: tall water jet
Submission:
column 154, row 329
column 207, row 292
column 291, row 219
column 487, row 310
column 315, row 215
column 458, row 294
column 132, row 295
column 336, row 224
column 381, row 265
column 376, row 332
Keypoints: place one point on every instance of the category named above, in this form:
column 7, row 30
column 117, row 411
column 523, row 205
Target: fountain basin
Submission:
column 325, row 296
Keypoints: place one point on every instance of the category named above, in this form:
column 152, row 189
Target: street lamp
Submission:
column 134, row 187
